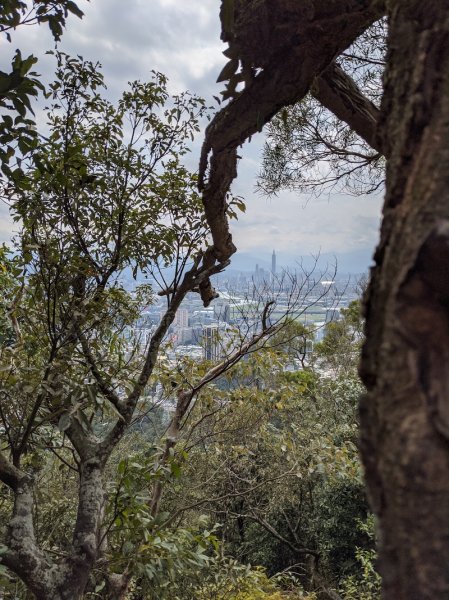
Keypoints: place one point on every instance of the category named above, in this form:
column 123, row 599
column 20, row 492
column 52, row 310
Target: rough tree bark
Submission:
column 405, row 415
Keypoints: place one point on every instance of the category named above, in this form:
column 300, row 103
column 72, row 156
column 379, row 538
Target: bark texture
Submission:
column 405, row 364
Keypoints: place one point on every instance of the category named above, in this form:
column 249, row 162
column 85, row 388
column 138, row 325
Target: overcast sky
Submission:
column 181, row 39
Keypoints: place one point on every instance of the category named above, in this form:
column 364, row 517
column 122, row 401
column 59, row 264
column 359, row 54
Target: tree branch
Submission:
column 185, row 398
column 339, row 93
column 104, row 388
column 191, row 281
column 24, row 557
column 293, row 547
column 9, row 474
column 237, row 494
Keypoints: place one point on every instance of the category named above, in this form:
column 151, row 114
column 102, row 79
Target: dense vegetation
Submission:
column 263, row 496
column 238, row 479
column 258, row 494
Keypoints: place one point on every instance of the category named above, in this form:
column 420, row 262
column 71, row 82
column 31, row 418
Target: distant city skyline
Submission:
column 349, row 262
column 209, row 332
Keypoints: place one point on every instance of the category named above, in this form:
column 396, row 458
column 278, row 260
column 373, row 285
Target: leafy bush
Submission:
column 366, row 585
column 251, row 584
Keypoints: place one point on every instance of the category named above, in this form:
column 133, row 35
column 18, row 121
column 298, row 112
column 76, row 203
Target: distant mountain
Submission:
column 354, row 262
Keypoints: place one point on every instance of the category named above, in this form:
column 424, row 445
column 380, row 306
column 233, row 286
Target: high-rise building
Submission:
column 222, row 308
column 273, row 263
column 185, row 334
column 182, row 318
column 211, row 342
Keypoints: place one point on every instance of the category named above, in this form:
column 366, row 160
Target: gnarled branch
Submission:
column 281, row 38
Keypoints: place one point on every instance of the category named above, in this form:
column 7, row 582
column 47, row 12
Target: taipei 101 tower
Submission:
column 273, row 264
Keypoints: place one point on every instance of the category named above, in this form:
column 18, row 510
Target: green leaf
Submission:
column 26, row 64
column 175, row 470
column 5, row 83
column 73, row 8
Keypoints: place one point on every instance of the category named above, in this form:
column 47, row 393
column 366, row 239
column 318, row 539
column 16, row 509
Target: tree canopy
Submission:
column 21, row 85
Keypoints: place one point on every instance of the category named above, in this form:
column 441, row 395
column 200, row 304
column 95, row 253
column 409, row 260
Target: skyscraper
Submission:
column 211, row 342
column 273, row 263
column 182, row 318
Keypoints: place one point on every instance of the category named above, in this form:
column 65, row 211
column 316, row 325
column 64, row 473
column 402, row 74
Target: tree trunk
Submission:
column 67, row 579
column 405, row 363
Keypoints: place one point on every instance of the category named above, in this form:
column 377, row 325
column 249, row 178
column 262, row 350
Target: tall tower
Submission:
column 211, row 342
column 273, row 263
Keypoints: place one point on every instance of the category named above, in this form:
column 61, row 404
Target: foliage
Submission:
column 270, row 454
column 17, row 130
column 118, row 191
column 266, row 452
column 53, row 12
column 140, row 542
column 279, row 465
column 92, row 204
column 105, row 191
column 19, row 86
column 366, row 584
column 173, row 562
column 9, row 273
column 340, row 348
column 251, row 585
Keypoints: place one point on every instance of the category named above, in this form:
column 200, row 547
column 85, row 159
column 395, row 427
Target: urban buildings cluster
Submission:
column 207, row 333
